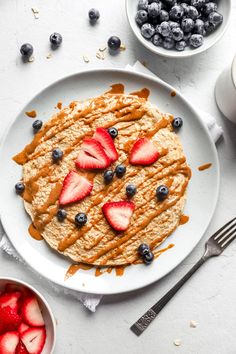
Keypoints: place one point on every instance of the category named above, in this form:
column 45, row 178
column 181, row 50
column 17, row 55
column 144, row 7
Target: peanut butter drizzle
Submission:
column 173, row 94
column 204, row 167
column 120, row 271
column 31, row 114
column 34, row 232
column 144, row 93
column 74, row 268
column 116, row 89
column 101, row 271
column 183, row 219
column 59, row 104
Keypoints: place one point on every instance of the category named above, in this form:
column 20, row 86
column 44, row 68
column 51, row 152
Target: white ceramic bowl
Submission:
column 50, row 322
column 224, row 7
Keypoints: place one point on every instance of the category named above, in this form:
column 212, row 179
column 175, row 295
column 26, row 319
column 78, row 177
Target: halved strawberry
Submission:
column 31, row 312
column 21, row 349
column 9, row 342
column 9, row 319
column 75, row 188
column 104, row 138
column 34, row 339
column 22, row 327
column 92, row 155
column 10, row 299
column 118, row 214
column 143, row 152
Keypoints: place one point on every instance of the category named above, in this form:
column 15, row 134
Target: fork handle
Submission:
column 144, row 321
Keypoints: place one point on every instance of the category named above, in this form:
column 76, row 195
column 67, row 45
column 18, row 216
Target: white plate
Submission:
column 202, row 191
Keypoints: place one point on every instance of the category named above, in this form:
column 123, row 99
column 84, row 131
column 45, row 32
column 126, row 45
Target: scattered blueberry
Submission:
column 57, row 154
column 180, row 46
column 176, row 12
column 143, row 249
column 157, row 39
column 108, row 176
column 196, row 40
column 142, row 4
column 120, row 171
column 168, row 43
column 131, row 190
column 61, row 214
column 19, row 187
column 162, row 192
column 147, row 30
column 164, row 15
column 199, row 27
column 187, row 25
column 81, row 219
column 55, row 39
column 154, row 9
column 164, row 29
column 26, row 50
column 148, row 257
column 209, row 7
column 192, row 12
column 141, row 17
column 177, row 123
column 37, row 125
column 93, row 15
column 215, row 18
column 113, row 132
column 114, row 43
column 177, row 34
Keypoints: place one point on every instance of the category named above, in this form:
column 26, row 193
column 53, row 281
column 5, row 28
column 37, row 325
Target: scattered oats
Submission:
column 31, row 59
column 122, row 47
column 35, row 12
column 102, row 49
column 49, row 56
column 193, row 324
column 177, row 342
column 86, row 59
column 100, row 56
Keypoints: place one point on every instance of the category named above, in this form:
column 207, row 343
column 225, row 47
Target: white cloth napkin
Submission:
column 91, row 301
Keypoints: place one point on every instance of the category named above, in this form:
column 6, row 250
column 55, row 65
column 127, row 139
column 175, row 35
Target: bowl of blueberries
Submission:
column 178, row 28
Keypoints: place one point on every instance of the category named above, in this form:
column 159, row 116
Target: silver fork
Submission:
column 216, row 244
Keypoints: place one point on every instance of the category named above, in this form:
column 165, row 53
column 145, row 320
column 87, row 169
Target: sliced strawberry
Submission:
column 34, row 339
column 23, row 327
column 31, row 312
column 143, row 152
column 10, row 299
column 9, row 319
column 21, row 349
column 9, row 342
column 92, row 155
column 118, row 214
column 104, row 138
column 75, row 188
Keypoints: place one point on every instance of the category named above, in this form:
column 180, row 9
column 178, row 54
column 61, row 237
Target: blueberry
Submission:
column 196, row 40
column 120, row 171
column 57, row 154
column 131, row 190
column 199, row 27
column 113, row 132
column 177, row 122
column 192, row 12
column 187, row 25
column 61, row 214
column 108, row 176
column 215, row 18
column 26, row 50
column 114, row 42
column 209, row 7
column 80, row 219
column 37, row 125
column 176, row 12
column 185, row 7
column 93, row 15
column 143, row 249
column 147, row 30
column 141, row 17
column 180, row 46
column 209, row 27
column 168, row 43
column 173, row 24
column 177, row 34
column 148, row 257
column 19, row 187
column 154, row 9
column 198, row 3
column 142, row 4
column 55, row 39
column 164, row 15
column 164, row 29
column 162, row 192
column 157, row 39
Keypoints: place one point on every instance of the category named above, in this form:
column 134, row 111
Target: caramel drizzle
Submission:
column 204, row 167
column 34, row 233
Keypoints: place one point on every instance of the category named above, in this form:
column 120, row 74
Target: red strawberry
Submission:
column 104, row 138
column 118, row 214
column 34, row 339
column 21, row 349
column 11, row 288
column 143, row 152
column 92, row 155
column 9, row 319
column 10, row 299
column 9, row 342
column 23, row 327
column 75, row 188
column 31, row 312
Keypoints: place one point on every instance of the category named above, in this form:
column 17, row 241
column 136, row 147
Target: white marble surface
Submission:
column 209, row 297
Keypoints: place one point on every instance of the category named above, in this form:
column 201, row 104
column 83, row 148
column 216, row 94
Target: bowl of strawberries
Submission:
column 27, row 324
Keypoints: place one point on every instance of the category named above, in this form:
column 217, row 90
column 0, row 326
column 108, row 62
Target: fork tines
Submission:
column 226, row 234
